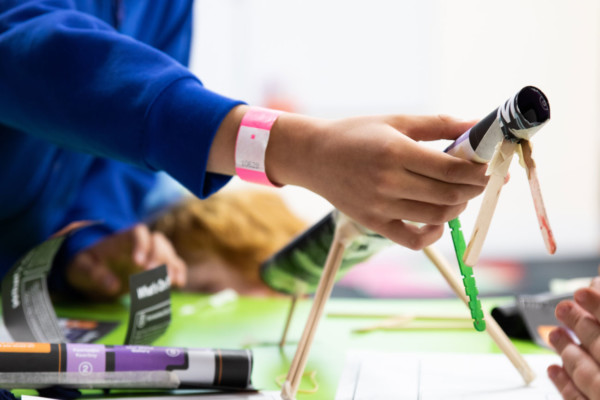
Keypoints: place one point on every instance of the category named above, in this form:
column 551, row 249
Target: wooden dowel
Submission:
column 321, row 295
column 498, row 169
column 345, row 230
column 492, row 328
column 288, row 320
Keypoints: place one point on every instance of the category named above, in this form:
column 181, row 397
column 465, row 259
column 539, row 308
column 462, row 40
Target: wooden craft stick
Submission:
column 401, row 325
column 492, row 327
column 392, row 322
column 497, row 169
column 344, row 232
column 288, row 320
column 426, row 316
column 536, row 194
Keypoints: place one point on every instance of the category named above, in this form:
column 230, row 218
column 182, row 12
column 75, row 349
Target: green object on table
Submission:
column 255, row 323
column 467, row 272
column 297, row 268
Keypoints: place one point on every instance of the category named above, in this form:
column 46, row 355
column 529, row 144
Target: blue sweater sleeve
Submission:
column 112, row 196
column 71, row 79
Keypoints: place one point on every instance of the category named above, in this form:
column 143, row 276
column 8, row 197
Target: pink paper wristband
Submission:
column 251, row 145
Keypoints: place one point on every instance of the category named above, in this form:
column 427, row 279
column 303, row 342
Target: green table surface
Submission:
column 257, row 324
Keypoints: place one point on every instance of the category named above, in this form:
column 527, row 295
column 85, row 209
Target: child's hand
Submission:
column 374, row 170
column 102, row 271
column 579, row 376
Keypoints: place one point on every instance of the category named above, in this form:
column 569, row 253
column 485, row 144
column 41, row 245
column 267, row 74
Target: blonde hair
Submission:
column 243, row 228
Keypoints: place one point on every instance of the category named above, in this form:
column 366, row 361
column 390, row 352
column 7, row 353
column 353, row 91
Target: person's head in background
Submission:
column 225, row 238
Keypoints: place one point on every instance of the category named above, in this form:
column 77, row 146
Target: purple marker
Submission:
column 96, row 364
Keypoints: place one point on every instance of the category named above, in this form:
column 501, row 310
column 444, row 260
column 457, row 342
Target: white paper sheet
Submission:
column 414, row 376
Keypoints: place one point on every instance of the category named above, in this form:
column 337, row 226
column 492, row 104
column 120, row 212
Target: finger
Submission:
column 559, row 339
column 86, row 274
column 563, row 383
column 595, row 283
column 578, row 364
column 156, row 250
column 142, row 244
column 425, row 189
column 427, row 213
column 409, row 235
column 582, row 323
column 162, row 252
column 446, row 168
column 430, row 127
column 178, row 268
column 589, row 300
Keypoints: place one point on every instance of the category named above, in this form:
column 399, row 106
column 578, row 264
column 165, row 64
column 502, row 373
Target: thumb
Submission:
column 142, row 245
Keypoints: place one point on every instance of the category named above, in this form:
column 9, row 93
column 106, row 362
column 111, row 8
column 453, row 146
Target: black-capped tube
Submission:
column 519, row 118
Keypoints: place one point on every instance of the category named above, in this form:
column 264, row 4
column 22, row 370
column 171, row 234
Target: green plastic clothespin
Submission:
column 467, row 273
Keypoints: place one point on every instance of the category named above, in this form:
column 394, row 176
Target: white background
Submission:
column 338, row 58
